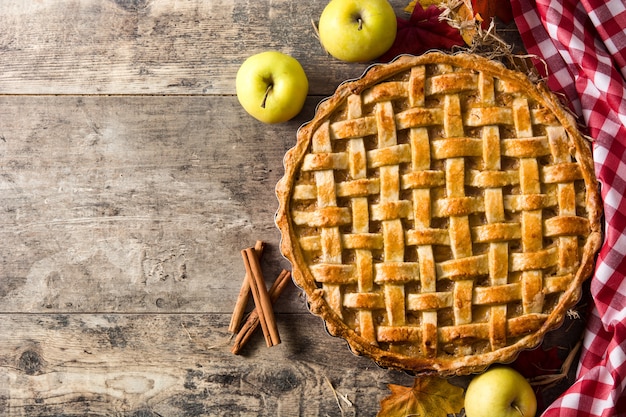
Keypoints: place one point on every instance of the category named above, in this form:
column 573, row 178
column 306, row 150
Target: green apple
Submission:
column 271, row 86
column 357, row 30
column 500, row 391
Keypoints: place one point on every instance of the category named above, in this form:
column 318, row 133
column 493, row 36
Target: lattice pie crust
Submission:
column 440, row 213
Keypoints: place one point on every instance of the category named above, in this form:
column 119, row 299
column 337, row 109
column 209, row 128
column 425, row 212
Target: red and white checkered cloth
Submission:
column 582, row 46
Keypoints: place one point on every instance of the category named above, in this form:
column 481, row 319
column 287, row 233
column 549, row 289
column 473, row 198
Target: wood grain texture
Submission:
column 156, row 46
column 177, row 365
column 134, row 204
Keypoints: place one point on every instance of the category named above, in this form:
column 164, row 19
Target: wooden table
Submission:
column 131, row 179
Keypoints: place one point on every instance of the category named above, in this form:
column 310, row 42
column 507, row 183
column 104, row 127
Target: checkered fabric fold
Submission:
column 582, row 51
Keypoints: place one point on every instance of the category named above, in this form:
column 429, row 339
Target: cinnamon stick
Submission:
column 252, row 322
column 261, row 297
column 244, row 294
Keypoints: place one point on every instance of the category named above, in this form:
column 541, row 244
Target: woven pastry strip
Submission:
column 441, row 212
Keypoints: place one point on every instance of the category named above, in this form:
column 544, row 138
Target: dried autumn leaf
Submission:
column 421, row 32
column 538, row 362
column 489, row 9
column 424, row 3
column 466, row 20
column 429, row 396
column 467, row 13
column 459, row 14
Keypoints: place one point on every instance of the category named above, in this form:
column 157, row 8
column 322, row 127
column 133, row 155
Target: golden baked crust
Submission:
column 440, row 213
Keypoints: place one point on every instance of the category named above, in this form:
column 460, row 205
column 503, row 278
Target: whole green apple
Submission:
column 500, row 392
column 271, row 86
column 357, row 30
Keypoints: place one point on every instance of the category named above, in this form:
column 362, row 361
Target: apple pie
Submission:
column 440, row 213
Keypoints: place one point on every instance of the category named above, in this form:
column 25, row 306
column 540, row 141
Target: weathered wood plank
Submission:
column 178, row 365
column 156, row 46
column 135, row 204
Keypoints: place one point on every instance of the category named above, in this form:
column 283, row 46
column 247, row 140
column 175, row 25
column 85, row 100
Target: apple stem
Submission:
column 267, row 93
column 360, row 23
column 519, row 410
